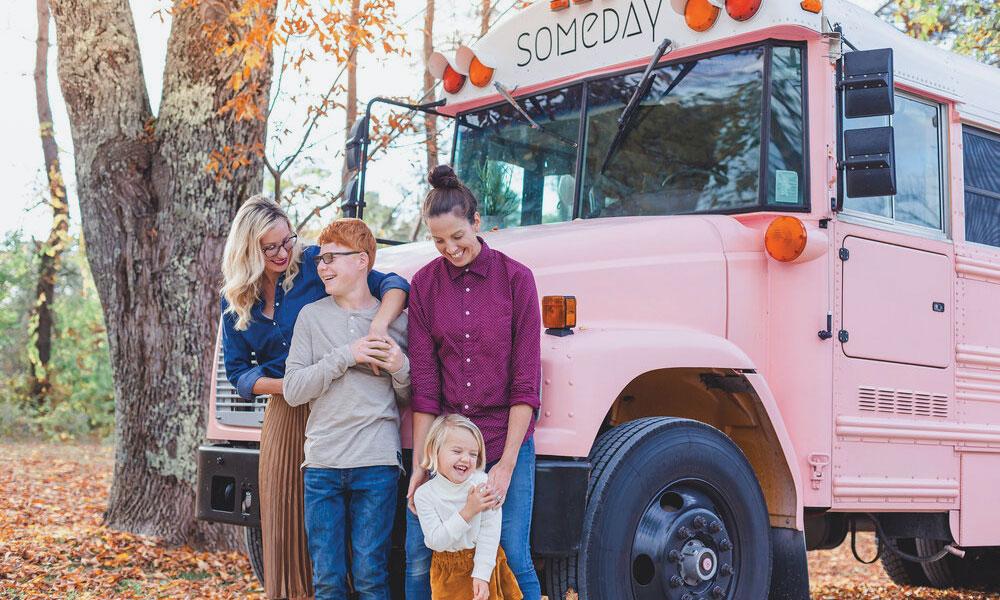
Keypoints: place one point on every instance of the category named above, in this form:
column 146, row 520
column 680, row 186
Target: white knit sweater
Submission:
column 438, row 504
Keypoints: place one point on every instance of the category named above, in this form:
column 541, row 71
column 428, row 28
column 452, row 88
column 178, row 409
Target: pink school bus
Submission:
column 767, row 233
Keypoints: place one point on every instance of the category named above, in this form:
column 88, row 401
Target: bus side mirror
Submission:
column 869, row 162
column 355, row 147
column 868, row 83
column 349, row 203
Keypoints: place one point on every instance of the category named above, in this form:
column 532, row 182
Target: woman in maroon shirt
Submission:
column 475, row 350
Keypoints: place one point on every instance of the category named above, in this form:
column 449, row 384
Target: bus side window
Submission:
column 919, row 165
column 982, row 186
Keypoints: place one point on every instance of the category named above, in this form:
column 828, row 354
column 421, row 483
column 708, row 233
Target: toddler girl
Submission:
column 461, row 517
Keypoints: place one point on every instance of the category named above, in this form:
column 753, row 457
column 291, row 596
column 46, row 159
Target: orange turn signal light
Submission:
column 559, row 312
column 558, row 4
column 785, row 239
column 813, row 6
column 479, row 74
column 741, row 10
column 700, row 15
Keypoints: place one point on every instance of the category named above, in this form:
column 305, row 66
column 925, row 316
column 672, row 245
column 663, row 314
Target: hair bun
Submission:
column 443, row 177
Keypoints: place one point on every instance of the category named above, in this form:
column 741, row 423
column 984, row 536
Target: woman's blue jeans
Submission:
column 514, row 536
column 365, row 498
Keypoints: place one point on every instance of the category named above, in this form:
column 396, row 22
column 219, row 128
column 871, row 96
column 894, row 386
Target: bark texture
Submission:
column 351, row 104
column 155, row 222
column 49, row 254
column 430, row 121
column 484, row 16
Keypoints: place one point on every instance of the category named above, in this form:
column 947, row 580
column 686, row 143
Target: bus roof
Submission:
column 538, row 47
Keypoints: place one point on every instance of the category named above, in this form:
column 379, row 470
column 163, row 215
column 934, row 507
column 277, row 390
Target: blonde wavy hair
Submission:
column 439, row 431
column 243, row 259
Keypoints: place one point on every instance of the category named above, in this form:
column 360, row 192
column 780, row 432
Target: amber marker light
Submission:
column 700, row 15
column 785, row 239
column 741, row 10
column 813, row 6
column 479, row 74
column 558, row 4
column 559, row 315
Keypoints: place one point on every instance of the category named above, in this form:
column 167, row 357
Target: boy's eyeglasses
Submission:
column 329, row 257
column 271, row 250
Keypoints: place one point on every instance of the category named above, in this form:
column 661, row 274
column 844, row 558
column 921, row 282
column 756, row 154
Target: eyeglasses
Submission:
column 329, row 257
column 271, row 250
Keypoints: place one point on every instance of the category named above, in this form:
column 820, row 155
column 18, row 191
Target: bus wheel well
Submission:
column 726, row 400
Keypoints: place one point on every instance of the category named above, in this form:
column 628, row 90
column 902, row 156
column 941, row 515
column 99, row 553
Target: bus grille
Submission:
column 230, row 409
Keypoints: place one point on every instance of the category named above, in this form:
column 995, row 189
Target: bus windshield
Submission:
column 693, row 146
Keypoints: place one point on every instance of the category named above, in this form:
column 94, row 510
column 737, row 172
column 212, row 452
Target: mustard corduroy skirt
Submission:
column 287, row 567
column 451, row 577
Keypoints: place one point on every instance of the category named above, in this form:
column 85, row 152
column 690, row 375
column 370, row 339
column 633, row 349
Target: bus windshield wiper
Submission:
column 534, row 125
column 633, row 103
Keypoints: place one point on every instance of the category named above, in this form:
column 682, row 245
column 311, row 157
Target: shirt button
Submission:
column 466, row 407
column 466, row 336
column 466, row 289
column 466, row 312
column 468, row 384
column 277, row 303
column 283, row 344
column 468, row 360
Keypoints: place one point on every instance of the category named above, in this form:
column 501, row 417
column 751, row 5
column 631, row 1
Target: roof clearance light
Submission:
column 700, row 15
column 453, row 80
column 468, row 64
column 813, row 6
column 479, row 74
column 741, row 10
column 785, row 239
column 438, row 66
column 558, row 4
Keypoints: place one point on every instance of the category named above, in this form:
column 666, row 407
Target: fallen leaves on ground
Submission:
column 52, row 543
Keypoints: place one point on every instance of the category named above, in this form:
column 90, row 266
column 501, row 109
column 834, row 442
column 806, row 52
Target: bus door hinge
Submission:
column 844, row 254
column 819, row 462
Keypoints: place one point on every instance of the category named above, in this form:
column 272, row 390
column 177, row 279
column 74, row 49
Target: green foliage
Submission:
column 493, row 190
column 970, row 27
column 82, row 398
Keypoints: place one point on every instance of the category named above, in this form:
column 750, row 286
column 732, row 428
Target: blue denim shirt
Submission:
column 267, row 340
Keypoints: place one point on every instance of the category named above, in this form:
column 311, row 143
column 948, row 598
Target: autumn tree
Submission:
column 970, row 27
column 40, row 322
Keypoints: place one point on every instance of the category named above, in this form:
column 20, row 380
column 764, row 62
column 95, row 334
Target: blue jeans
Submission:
column 365, row 499
column 514, row 536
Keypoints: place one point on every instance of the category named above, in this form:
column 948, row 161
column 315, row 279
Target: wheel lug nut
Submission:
column 683, row 532
column 673, row 556
column 699, row 522
column 726, row 545
column 676, row 581
column 714, row 527
column 716, row 592
column 726, row 570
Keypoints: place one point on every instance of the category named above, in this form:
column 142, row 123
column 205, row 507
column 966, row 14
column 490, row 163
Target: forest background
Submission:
column 308, row 110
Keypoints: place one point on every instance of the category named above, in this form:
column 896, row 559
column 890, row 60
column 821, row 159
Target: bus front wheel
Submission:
column 674, row 511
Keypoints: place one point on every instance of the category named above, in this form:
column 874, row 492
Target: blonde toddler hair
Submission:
column 439, row 430
column 243, row 259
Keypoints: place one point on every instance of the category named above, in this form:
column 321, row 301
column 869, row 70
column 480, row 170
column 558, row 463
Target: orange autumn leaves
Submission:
column 52, row 543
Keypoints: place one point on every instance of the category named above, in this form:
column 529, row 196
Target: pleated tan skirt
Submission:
column 451, row 577
column 287, row 568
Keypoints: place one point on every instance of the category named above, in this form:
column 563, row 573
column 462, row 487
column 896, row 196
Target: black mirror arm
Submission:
column 428, row 108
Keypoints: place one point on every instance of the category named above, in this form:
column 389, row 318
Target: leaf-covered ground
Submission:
column 52, row 544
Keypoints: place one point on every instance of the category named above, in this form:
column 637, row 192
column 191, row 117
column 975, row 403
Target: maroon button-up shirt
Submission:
column 475, row 342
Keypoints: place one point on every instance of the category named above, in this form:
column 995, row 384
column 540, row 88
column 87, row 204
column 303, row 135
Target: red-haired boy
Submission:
column 352, row 383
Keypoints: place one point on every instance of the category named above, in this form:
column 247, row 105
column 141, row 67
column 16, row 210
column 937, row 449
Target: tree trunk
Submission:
column 155, row 222
column 430, row 121
column 351, row 104
column 49, row 254
column 484, row 15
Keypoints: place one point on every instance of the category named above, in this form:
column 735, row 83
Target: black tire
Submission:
column 651, row 479
column 903, row 572
column 977, row 570
column 255, row 551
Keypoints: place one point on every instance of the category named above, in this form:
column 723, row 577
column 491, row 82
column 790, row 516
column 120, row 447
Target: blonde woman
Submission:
column 268, row 278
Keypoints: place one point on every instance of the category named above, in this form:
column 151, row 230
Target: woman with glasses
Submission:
column 268, row 278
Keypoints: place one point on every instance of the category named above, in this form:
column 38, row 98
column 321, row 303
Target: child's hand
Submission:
column 479, row 499
column 480, row 589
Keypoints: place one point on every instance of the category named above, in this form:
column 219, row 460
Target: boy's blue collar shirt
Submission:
column 266, row 340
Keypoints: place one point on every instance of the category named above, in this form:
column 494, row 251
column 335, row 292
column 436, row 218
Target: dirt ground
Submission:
column 52, row 543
